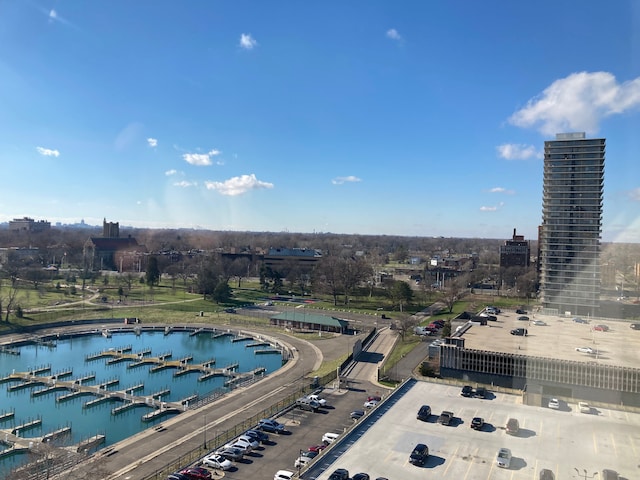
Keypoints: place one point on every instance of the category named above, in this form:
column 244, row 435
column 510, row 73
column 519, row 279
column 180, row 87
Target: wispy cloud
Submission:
column 635, row 194
column 513, row 151
column 153, row 142
column 501, row 190
column 53, row 16
column 578, row 102
column 185, row 184
column 494, row 208
column 238, row 185
column 201, row 159
column 393, row 34
column 247, row 41
column 173, row 171
column 341, row 180
column 47, row 152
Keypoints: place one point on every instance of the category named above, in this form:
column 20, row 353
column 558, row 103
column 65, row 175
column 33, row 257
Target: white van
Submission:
column 330, row 437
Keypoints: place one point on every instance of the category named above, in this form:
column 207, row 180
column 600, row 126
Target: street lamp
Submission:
column 584, row 473
column 299, row 462
column 205, row 432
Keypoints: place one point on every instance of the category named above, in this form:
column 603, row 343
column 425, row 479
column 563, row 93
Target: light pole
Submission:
column 584, row 474
column 205, row 432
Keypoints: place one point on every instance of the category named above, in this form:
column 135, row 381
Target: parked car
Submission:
column 374, row 398
column 477, row 423
column 339, row 474
column 360, row 476
column 424, row 413
column 217, row 461
column 584, row 407
column 230, row 453
column 513, row 426
column 317, row 448
column 257, row 435
column 310, row 454
column 601, row 328
column 480, row 392
column 253, row 443
column 419, row 454
column 283, row 475
column 178, row 476
column 610, row 474
column 523, row 318
column 321, row 401
column 439, row 323
column 520, row 311
column 584, row 349
column 466, row 391
column 522, row 332
column 445, row 417
column 635, row 326
column 330, row 437
column 370, row 403
column 271, row 426
column 553, row 403
column 580, row 320
column 305, row 403
column 196, row 473
column 539, row 323
column 546, row 474
column 245, row 447
column 503, row 458
column 357, row 414
column 302, row 461
column 230, row 310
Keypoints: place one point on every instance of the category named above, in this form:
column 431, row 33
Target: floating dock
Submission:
column 91, row 443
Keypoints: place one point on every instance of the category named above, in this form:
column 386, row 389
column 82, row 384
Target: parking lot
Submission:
column 565, row 441
column 559, row 338
column 304, row 429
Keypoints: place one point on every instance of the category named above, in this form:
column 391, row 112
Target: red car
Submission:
column 317, row 448
column 601, row 328
column 197, row 473
column 374, row 398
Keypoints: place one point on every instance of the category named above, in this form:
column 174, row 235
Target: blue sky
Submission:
column 418, row 118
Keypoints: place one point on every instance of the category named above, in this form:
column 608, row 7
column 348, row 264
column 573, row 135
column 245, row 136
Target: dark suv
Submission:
column 339, row 474
column 419, row 454
column 424, row 413
column 519, row 331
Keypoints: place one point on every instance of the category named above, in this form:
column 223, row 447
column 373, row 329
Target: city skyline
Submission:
column 369, row 118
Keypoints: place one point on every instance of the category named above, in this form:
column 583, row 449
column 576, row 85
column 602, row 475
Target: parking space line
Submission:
column 471, row 462
column 451, row 457
column 595, row 444
column 613, row 442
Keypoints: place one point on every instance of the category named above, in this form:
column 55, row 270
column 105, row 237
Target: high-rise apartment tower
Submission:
column 572, row 223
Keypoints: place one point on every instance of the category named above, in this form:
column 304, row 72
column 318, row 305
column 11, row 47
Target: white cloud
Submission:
column 341, row 180
column 201, row 159
column 635, row 194
column 393, row 34
column 247, row 41
column 501, row 190
column 185, row 184
column 153, row 142
column 53, row 14
column 491, row 209
column 173, row 171
column 238, row 185
column 513, row 151
column 578, row 102
column 47, row 152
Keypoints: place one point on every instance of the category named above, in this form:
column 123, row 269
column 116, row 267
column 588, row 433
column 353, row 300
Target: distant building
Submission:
column 303, row 257
column 572, row 223
column 110, row 252
column 27, row 224
column 515, row 252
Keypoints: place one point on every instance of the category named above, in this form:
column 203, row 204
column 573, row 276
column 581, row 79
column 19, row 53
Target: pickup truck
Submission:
column 445, row 418
column 316, row 398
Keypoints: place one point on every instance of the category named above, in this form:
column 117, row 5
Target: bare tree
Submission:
column 404, row 325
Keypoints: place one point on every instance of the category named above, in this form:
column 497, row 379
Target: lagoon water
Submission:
column 86, row 422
